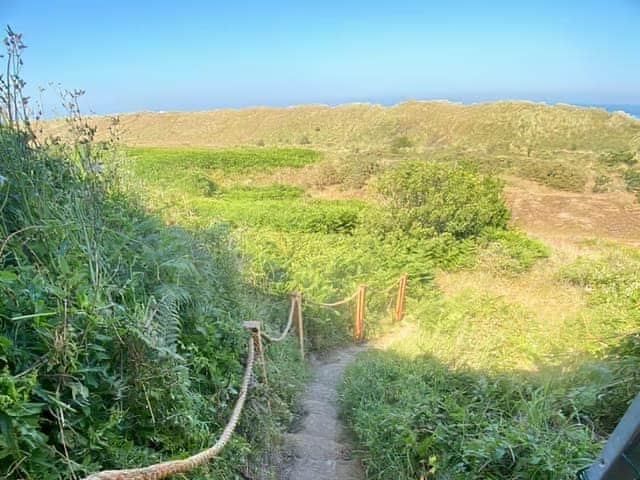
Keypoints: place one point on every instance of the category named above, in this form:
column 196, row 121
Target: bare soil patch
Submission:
column 553, row 214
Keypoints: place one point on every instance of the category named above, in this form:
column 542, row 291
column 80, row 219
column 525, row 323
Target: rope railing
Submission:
column 334, row 304
column 164, row 469
column 284, row 333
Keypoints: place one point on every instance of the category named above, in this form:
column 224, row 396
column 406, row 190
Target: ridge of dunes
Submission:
column 491, row 127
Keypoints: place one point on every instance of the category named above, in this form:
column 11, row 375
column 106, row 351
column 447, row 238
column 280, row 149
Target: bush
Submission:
column 511, row 251
column 427, row 199
column 620, row 157
column 601, row 183
column 324, row 174
column 355, row 172
column 554, row 174
column 632, row 179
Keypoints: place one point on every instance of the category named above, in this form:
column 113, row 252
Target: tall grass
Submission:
column 120, row 338
column 487, row 388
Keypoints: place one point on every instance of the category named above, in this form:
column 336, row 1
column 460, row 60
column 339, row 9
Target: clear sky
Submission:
column 197, row 55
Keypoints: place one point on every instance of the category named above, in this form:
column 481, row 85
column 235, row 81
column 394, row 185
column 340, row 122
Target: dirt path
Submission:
column 320, row 444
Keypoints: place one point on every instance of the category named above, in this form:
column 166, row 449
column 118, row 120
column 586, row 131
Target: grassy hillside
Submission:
column 497, row 127
column 564, row 147
column 516, row 362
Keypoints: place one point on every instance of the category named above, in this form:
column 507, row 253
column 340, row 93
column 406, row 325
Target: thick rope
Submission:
column 164, row 469
column 335, row 304
column 386, row 290
column 348, row 299
column 271, row 339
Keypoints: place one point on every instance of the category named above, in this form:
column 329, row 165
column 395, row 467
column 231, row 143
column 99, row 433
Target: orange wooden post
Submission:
column 356, row 318
column 402, row 286
column 297, row 305
column 363, row 310
column 358, row 330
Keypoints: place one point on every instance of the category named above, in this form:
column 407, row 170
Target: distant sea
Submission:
column 630, row 109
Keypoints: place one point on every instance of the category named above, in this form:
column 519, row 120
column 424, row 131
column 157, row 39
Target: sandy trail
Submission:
column 321, row 445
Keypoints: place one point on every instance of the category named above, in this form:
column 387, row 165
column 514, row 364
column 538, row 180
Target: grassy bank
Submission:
column 513, row 359
column 521, row 377
column 120, row 338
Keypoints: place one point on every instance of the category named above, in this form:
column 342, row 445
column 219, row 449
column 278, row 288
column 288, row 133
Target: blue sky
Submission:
column 197, row 55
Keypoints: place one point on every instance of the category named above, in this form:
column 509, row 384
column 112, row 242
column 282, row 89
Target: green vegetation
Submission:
column 632, row 178
column 120, row 338
column 620, row 157
column 120, row 332
column 490, row 386
column 301, row 215
column 417, row 418
column 183, row 168
column 563, row 147
column 601, row 183
column 400, row 143
column 501, row 128
column 428, row 199
column 555, row 174
column 481, row 390
column 292, row 241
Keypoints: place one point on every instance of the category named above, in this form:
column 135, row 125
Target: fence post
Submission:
column 402, row 286
column 297, row 305
column 358, row 329
column 254, row 328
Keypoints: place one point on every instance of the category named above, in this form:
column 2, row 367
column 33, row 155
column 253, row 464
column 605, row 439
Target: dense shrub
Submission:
column 120, row 339
column 427, row 198
column 244, row 208
column 619, row 157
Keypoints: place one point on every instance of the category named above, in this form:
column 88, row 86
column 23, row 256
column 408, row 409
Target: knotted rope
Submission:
column 164, row 469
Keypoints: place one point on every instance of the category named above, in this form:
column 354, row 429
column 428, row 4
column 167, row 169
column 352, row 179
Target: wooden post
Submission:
column 402, row 286
column 358, row 330
column 297, row 305
column 254, row 328
column 356, row 318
